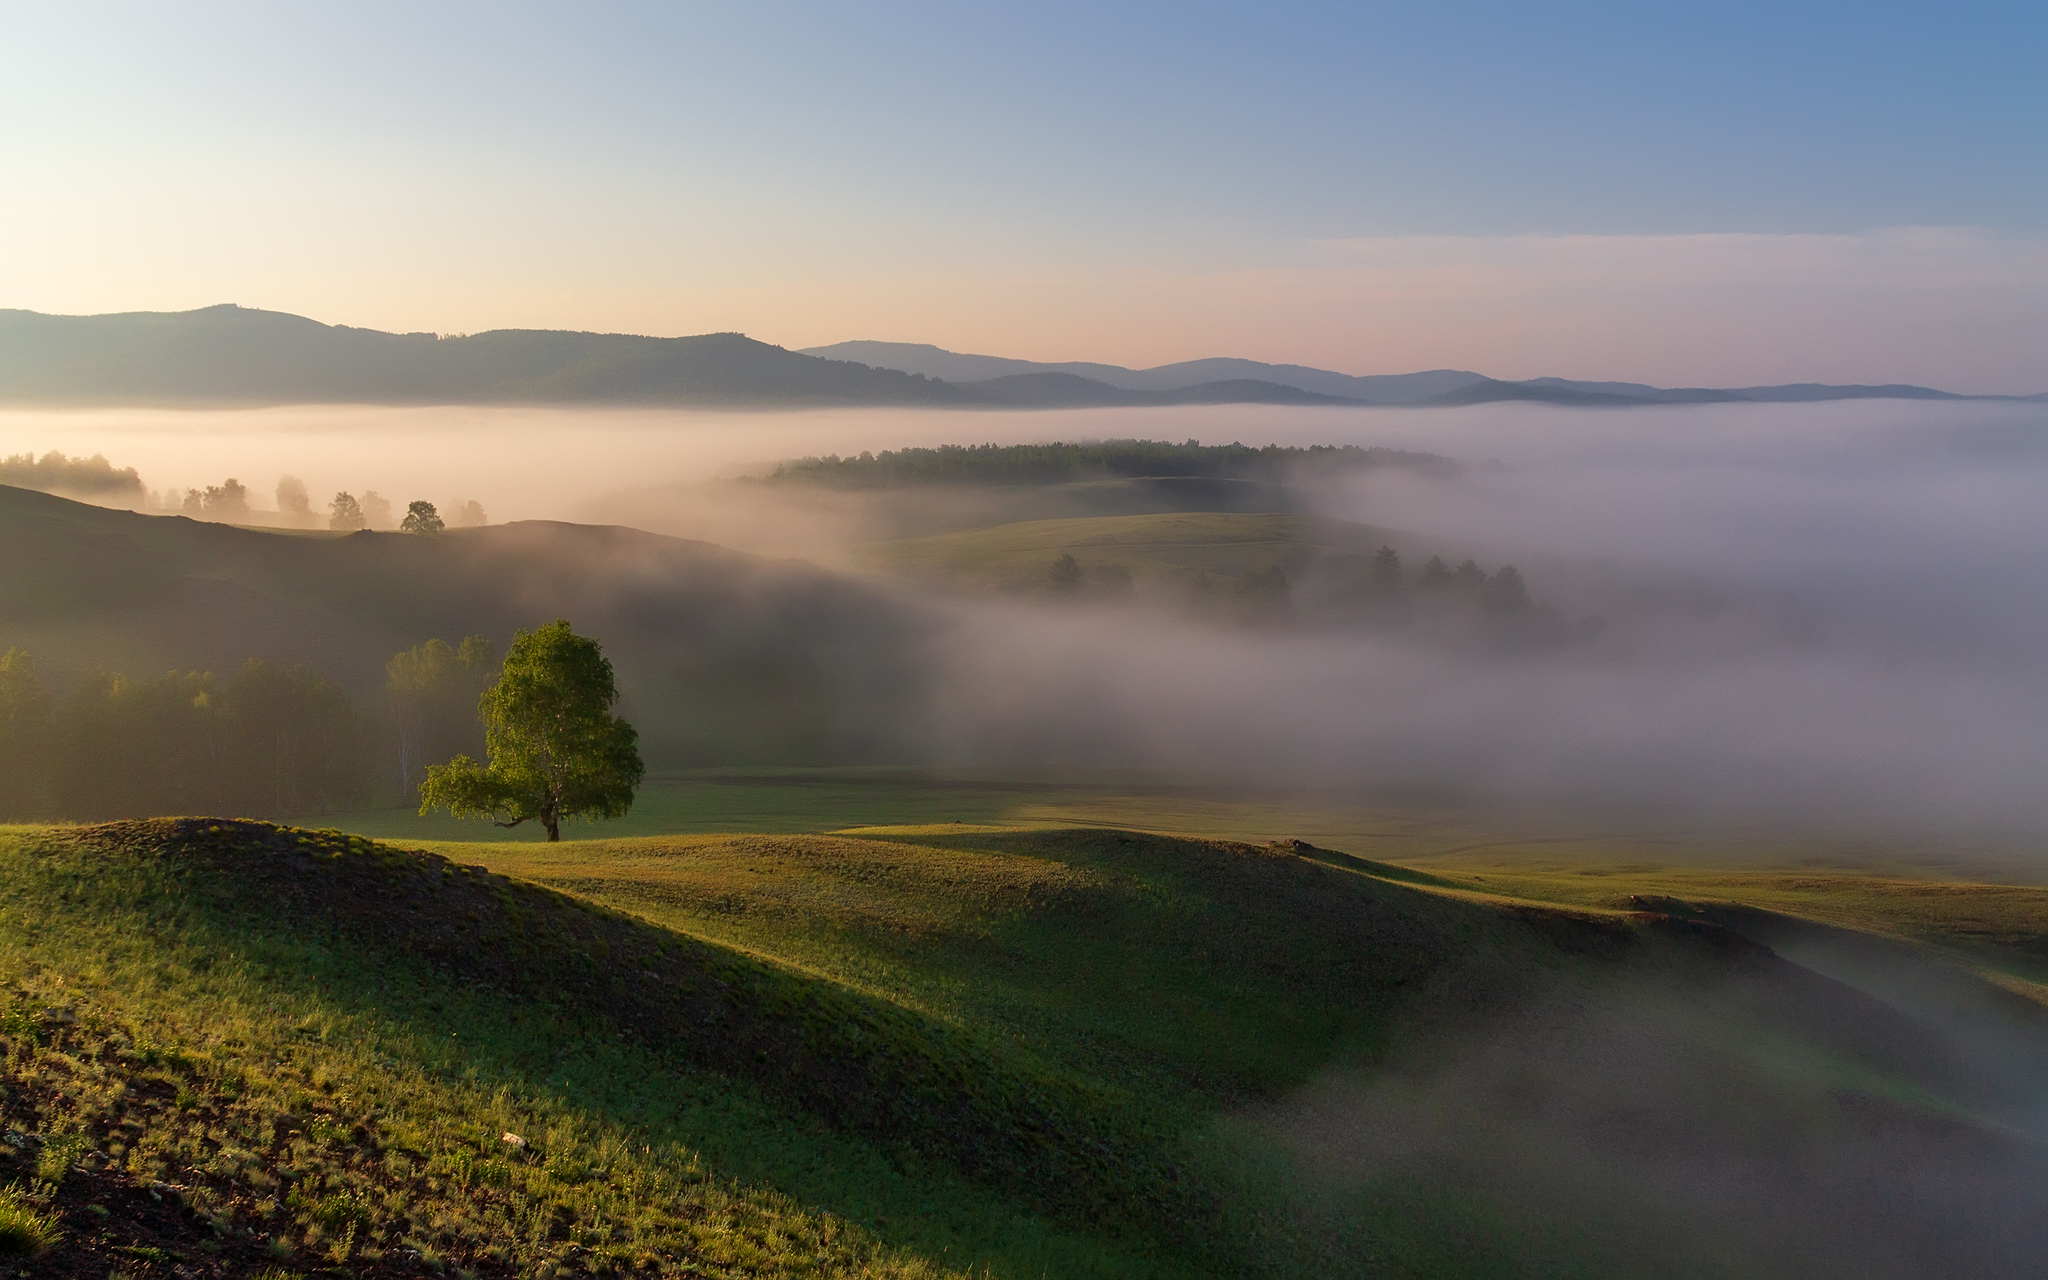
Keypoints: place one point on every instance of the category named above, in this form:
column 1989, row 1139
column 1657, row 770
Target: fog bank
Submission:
column 1839, row 609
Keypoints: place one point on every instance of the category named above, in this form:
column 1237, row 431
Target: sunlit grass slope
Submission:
column 310, row 1047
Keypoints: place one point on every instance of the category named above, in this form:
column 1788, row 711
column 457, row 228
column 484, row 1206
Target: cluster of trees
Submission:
column 1379, row 587
column 348, row 512
column 97, row 479
column 1058, row 463
column 1504, row 592
column 268, row 741
column 373, row 511
column 1069, row 578
column 92, row 477
column 227, row 501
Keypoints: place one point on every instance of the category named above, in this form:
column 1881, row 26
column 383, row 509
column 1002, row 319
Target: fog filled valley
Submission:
column 1506, row 839
column 1834, row 609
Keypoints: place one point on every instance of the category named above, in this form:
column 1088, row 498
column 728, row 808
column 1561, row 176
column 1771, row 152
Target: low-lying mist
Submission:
column 1836, row 610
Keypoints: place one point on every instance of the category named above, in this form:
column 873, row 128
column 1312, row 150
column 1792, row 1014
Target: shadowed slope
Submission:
column 720, row 654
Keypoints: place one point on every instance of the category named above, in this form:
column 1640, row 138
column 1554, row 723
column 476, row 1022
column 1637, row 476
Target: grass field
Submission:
column 1160, row 549
column 1449, row 832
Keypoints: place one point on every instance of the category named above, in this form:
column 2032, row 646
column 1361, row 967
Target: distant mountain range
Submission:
column 1434, row 387
column 236, row 355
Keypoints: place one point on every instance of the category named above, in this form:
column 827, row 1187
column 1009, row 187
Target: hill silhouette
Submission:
column 234, row 355
column 1432, row 387
column 231, row 355
column 936, row 362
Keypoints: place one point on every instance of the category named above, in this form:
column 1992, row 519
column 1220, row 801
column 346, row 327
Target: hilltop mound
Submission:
column 866, row 1063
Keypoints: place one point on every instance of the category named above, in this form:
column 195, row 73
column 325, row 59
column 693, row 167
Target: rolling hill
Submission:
column 722, row 656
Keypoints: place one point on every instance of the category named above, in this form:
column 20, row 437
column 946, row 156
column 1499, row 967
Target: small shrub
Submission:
column 17, row 1023
column 58, row 1155
column 337, row 1215
column 24, row 1231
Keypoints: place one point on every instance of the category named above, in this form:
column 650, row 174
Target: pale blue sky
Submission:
column 1030, row 176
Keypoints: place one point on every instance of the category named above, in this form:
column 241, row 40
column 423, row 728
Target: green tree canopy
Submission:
column 556, row 750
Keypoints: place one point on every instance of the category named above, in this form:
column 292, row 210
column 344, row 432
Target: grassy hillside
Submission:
column 719, row 654
column 927, row 1051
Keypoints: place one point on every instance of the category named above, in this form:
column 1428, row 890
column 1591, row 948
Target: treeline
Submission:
column 265, row 742
column 228, row 502
column 1060, row 463
column 1503, row 593
column 1342, row 590
column 92, row 477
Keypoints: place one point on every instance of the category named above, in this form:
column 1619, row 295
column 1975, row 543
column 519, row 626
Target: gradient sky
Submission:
column 1684, row 194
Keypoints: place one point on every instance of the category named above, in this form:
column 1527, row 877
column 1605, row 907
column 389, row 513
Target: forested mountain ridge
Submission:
column 1431, row 387
column 937, row 362
column 230, row 355
column 235, row 355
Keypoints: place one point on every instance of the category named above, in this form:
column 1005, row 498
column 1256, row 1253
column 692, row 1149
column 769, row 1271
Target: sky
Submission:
column 1721, row 194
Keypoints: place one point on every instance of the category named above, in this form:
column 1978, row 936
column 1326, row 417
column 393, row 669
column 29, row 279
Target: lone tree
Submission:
column 556, row 750
column 1065, row 573
column 420, row 517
